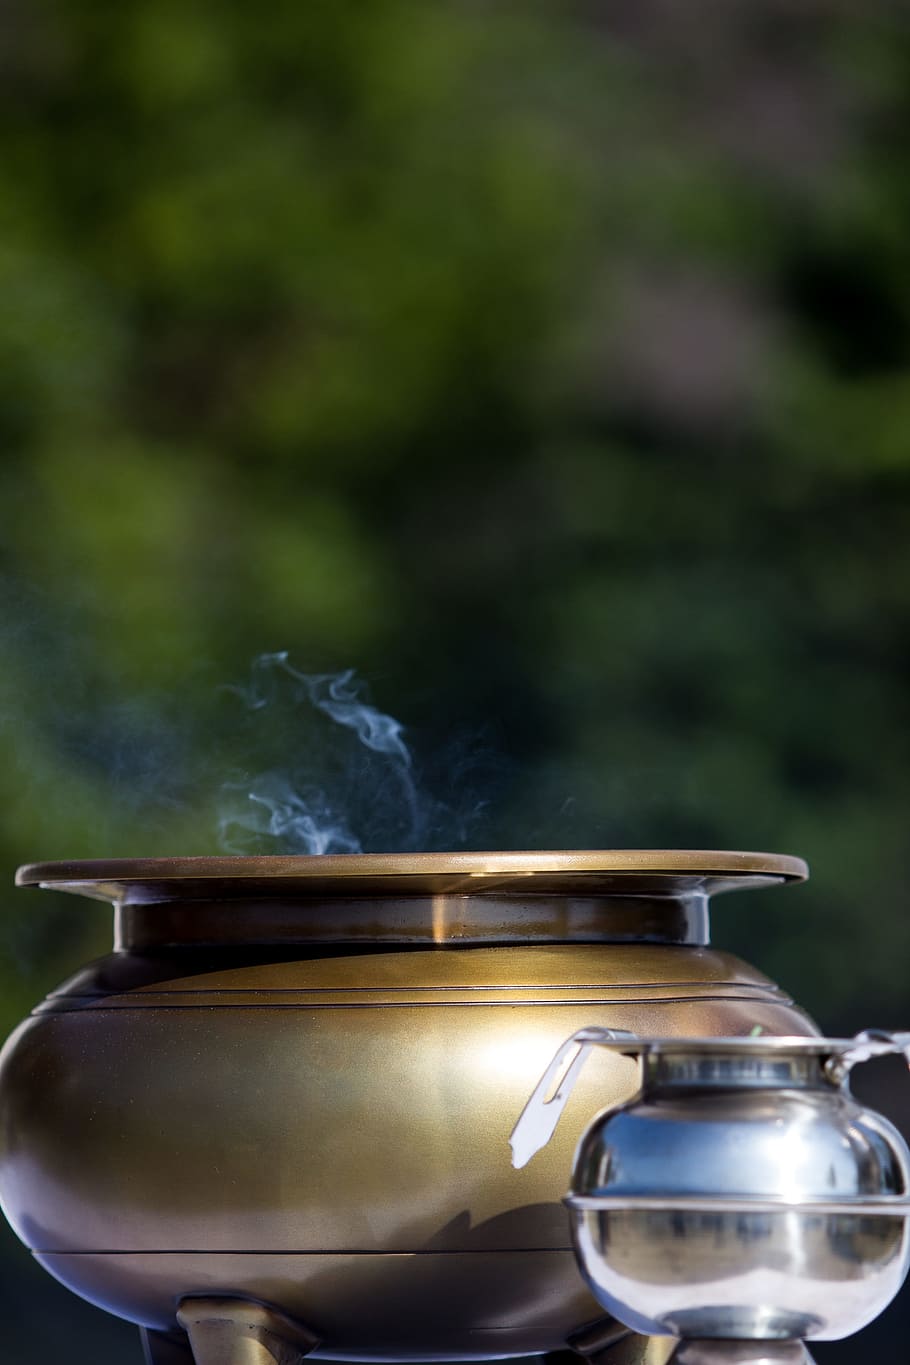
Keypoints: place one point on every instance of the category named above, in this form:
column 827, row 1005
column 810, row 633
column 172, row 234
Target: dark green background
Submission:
column 546, row 363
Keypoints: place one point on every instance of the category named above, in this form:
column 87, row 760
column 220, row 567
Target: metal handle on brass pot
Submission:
column 541, row 1114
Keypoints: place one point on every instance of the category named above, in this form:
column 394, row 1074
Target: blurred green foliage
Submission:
column 548, row 364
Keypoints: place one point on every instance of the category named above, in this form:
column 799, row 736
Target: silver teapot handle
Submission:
column 872, row 1042
column 540, row 1115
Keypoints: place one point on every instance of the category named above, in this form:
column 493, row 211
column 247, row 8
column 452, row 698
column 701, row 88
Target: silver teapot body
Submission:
column 742, row 1195
column 808, row 1260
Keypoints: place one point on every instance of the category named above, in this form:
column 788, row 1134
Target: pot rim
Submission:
column 594, row 870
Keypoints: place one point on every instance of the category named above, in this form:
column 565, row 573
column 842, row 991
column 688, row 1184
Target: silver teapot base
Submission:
column 717, row 1351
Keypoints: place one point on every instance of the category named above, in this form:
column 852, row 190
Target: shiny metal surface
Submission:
column 283, row 1090
column 238, row 1332
column 456, row 1306
column 781, row 1146
column 376, row 874
column 741, row 1353
column 608, row 1342
column 781, row 1274
column 743, row 1194
column 492, row 917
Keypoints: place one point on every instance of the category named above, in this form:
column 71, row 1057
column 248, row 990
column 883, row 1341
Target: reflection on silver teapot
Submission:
column 743, row 1200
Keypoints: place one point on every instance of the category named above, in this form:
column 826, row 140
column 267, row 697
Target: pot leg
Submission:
column 608, row 1342
column 160, row 1348
column 239, row 1332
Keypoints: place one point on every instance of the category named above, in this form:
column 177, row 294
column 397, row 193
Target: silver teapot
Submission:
column 743, row 1200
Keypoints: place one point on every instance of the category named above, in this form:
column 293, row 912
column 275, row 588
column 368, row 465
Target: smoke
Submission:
column 298, row 821
column 99, row 763
column 348, row 781
column 377, row 731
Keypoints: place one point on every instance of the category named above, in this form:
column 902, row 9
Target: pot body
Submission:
column 318, row 1117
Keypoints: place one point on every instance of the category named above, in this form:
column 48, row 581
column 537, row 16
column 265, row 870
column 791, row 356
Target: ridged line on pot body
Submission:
column 168, row 1102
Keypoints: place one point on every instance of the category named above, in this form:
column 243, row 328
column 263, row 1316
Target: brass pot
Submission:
column 293, row 1081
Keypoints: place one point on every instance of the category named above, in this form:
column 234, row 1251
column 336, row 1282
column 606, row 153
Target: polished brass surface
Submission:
column 298, row 1089
column 494, row 917
column 379, row 874
column 608, row 1342
column 636, row 1350
column 289, row 1061
column 237, row 1332
column 457, row 1305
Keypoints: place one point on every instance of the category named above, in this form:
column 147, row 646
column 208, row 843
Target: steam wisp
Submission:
column 338, row 797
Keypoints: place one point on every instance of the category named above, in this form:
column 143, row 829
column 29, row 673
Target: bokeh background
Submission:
column 547, row 364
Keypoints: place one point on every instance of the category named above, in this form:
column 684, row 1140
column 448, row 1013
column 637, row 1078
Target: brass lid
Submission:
column 666, row 872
